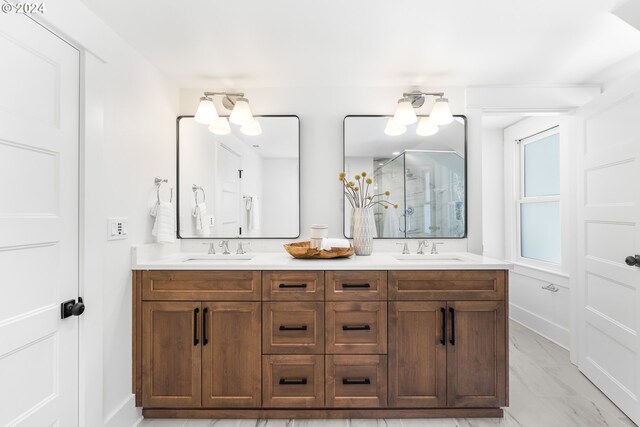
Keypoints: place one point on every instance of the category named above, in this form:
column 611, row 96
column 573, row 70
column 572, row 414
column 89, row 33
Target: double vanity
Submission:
column 267, row 336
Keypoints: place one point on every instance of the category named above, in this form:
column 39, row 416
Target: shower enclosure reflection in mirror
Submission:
column 236, row 185
column 426, row 176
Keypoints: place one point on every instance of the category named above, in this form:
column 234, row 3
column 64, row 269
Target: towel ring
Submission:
column 195, row 189
column 159, row 181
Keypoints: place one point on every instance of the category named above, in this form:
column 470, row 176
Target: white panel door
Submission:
column 609, row 231
column 229, row 179
column 39, row 80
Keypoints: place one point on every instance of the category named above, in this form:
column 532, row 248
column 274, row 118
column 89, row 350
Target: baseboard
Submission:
column 124, row 415
column 551, row 331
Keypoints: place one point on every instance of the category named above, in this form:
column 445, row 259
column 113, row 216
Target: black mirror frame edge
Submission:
column 466, row 187
column 178, row 184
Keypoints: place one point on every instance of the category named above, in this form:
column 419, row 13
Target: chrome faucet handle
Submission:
column 224, row 244
column 421, row 245
column 241, row 250
column 405, row 248
column 212, row 248
column 434, row 248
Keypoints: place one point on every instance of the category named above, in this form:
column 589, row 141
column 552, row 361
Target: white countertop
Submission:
column 284, row 261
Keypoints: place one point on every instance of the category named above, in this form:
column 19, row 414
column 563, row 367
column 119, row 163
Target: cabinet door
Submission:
column 231, row 357
column 417, row 355
column 171, row 354
column 476, row 354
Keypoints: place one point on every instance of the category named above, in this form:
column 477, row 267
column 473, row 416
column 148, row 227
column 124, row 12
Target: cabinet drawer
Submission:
column 356, row 327
column 356, row 381
column 293, row 285
column 293, row 328
column 293, row 381
column 201, row 285
column 356, row 285
column 447, row 285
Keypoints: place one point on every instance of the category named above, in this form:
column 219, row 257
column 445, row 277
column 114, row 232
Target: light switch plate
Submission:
column 117, row 229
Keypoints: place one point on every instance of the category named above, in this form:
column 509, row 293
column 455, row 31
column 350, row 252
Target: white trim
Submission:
column 125, row 415
column 544, row 327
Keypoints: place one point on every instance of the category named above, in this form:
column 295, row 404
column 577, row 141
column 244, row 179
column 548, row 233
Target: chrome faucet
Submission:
column 241, row 250
column 405, row 248
column 421, row 245
column 225, row 247
column 434, row 249
column 212, row 248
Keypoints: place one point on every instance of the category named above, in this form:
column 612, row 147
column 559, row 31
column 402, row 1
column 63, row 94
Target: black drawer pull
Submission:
column 195, row 326
column 205, row 340
column 356, row 327
column 443, row 339
column 295, row 285
column 356, row 285
column 354, row 381
column 293, row 328
column 293, row 381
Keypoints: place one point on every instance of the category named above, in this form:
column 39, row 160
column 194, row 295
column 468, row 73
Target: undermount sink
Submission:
column 218, row 257
column 429, row 258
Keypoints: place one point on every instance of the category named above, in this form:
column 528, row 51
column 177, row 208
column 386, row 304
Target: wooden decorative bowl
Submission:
column 303, row 250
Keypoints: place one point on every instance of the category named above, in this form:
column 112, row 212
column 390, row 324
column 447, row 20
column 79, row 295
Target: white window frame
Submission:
column 521, row 199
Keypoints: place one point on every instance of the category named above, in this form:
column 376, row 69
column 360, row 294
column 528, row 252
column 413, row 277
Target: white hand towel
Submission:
column 200, row 215
column 254, row 214
column 327, row 244
column 164, row 229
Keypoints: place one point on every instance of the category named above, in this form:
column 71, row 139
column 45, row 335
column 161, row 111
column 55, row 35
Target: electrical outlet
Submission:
column 118, row 229
column 211, row 224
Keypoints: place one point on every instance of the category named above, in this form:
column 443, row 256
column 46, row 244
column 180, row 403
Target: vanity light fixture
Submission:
column 240, row 113
column 394, row 128
column 252, row 128
column 405, row 114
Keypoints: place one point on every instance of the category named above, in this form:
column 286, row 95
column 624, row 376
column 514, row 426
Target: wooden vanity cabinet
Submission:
column 320, row 344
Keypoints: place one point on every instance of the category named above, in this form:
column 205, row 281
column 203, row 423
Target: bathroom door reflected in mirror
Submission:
column 236, row 185
column 425, row 175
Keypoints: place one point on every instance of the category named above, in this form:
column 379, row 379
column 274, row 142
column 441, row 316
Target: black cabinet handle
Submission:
column 356, row 328
column 195, row 326
column 355, row 285
column 289, row 286
column 354, row 381
column 453, row 326
column 293, row 381
column 293, row 328
column 443, row 339
column 205, row 340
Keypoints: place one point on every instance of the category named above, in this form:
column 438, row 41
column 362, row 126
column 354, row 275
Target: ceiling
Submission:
column 276, row 43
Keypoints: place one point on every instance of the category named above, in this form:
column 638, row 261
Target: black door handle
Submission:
column 633, row 260
column 292, row 381
column 293, row 328
column 195, row 326
column 356, row 328
column 443, row 338
column 205, row 340
column 353, row 381
column 453, row 326
column 297, row 285
column 71, row 308
column 355, row 285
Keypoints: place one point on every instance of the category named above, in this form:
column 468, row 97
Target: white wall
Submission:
column 493, row 193
column 129, row 138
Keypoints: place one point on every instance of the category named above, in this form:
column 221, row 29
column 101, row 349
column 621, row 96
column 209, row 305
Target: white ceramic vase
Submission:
column 362, row 230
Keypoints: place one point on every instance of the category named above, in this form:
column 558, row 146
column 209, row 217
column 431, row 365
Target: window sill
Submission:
column 541, row 273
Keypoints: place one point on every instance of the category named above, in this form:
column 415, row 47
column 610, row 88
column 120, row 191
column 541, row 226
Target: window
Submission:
column 539, row 199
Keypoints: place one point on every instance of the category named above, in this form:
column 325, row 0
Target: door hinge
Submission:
column 240, row 230
column 240, row 173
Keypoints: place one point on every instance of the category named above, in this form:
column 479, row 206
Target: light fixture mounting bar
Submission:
column 417, row 97
column 238, row 94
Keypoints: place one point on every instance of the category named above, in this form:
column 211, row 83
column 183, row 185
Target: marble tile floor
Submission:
column 546, row 390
